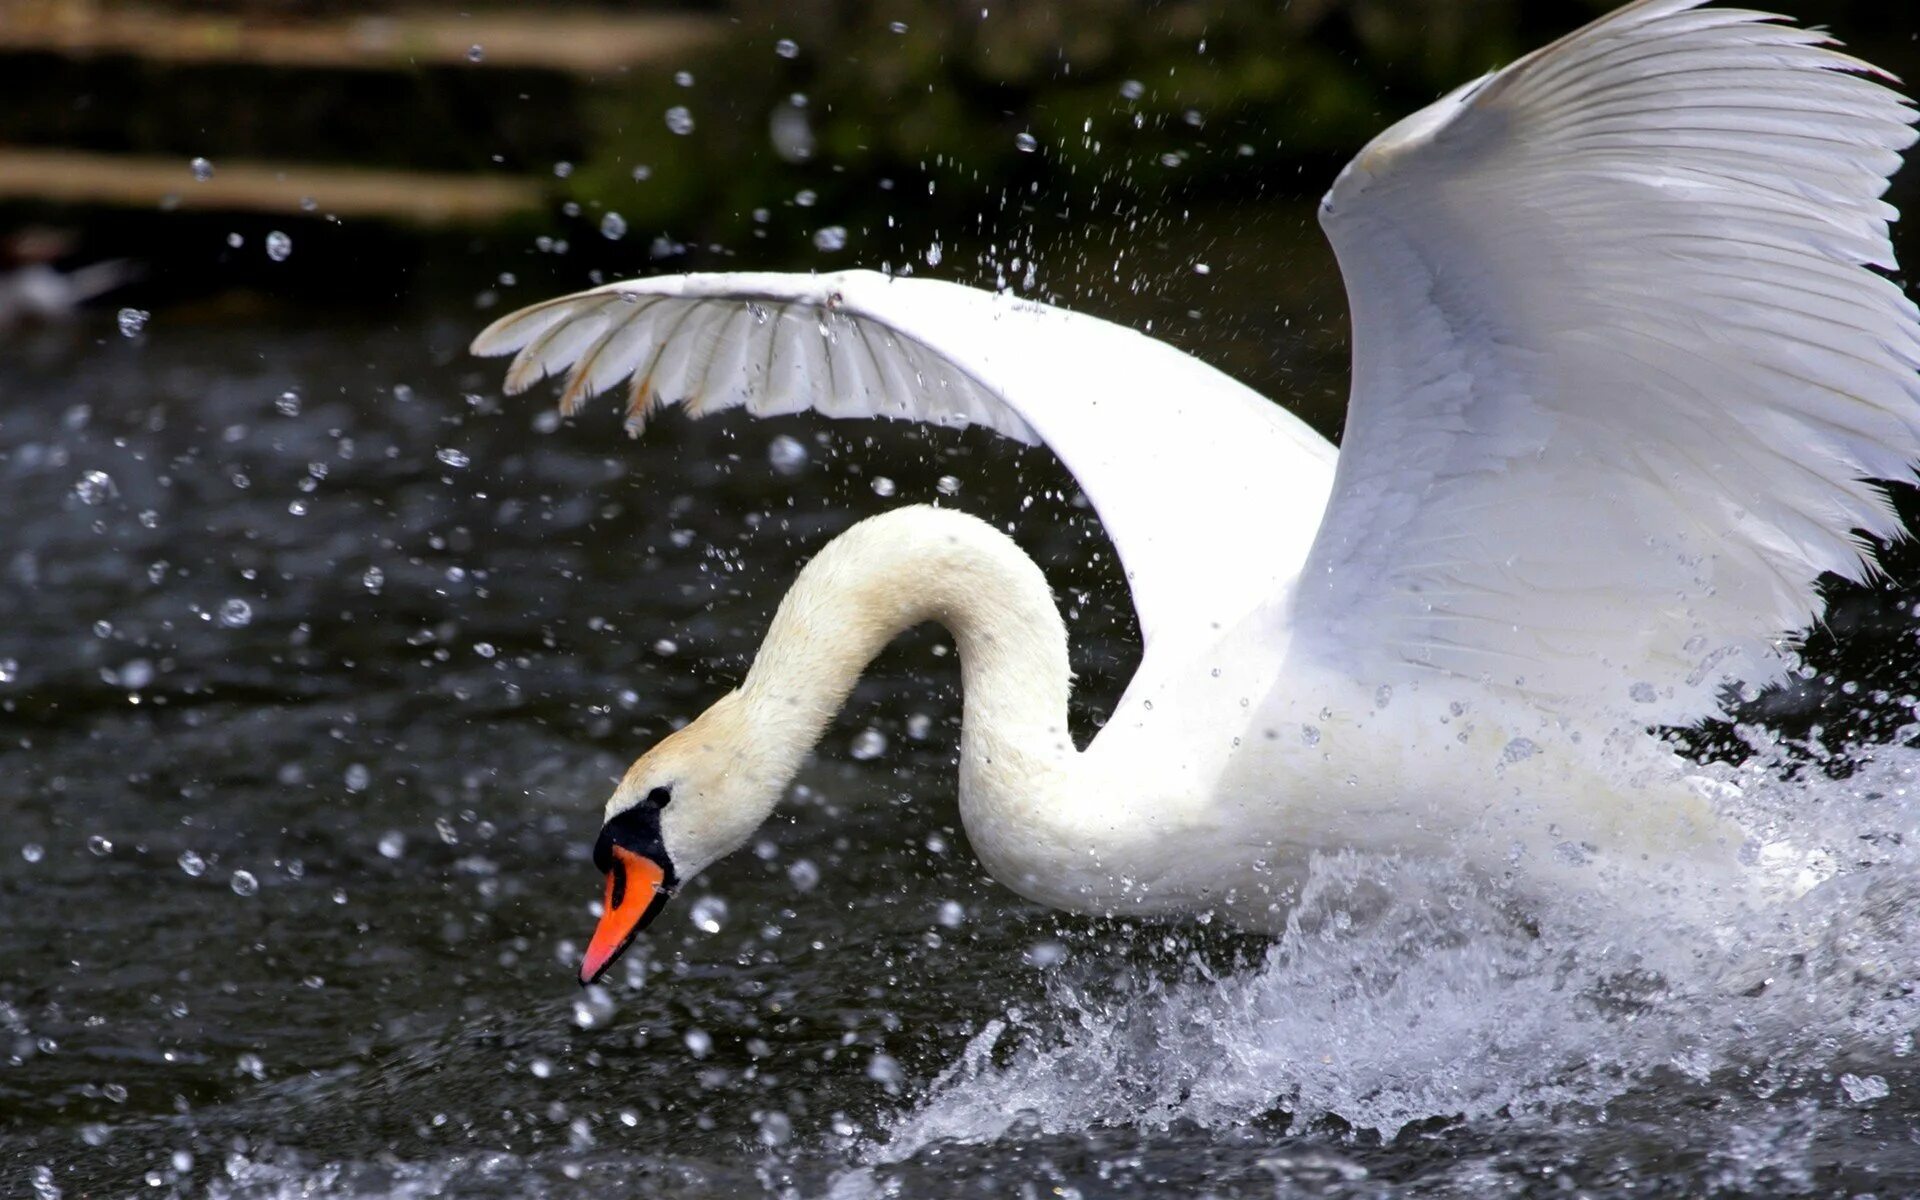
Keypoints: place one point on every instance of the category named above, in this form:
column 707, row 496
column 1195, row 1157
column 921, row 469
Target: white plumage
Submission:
column 1625, row 370
column 1621, row 371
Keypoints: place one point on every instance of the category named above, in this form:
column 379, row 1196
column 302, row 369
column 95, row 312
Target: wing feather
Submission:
column 1209, row 492
column 1622, row 359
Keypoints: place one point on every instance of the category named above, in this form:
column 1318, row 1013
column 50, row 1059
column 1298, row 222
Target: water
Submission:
column 308, row 716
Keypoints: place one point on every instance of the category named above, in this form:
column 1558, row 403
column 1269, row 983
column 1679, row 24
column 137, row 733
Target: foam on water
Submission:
column 1403, row 991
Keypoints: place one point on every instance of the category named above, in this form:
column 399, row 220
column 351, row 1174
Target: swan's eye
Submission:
column 659, row 797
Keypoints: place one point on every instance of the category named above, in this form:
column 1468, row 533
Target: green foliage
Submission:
column 1120, row 101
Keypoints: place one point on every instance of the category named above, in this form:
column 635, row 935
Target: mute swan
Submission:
column 1621, row 373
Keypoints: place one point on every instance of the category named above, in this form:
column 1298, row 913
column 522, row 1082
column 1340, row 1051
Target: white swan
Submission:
column 1622, row 371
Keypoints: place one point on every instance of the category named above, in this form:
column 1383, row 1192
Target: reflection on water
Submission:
column 317, row 660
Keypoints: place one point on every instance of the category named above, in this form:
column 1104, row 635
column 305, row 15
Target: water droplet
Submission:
column 1025, row 142
column 868, row 745
column 279, row 246
column 683, row 78
column 897, row 26
column 373, row 580
column 642, row 173
column 1133, row 89
column 358, row 777
column 935, row 253
column 98, row 846
column 392, row 844
column 947, row 485
column 562, row 169
column 613, row 227
column 44, row 1188
column 831, row 238
column 288, row 404
column 883, row 486
column 1643, row 693
column 952, row 914
column 708, row 914
column 803, row 875
column 787, row 455
column 1864, row 1089
column 452, row 457
column 1045, row 955
column 201, row 168
column 132, row 321
column 775, row 1128
column 666, row 647
column 1202, row 269
column 919, row 725
column 1309, row 735
column 593, row 1007
column 699, row 1041
column 9, row 669
column 1518, row 750
column 236, row 614
column 33, row 852
column 95, row 487
column 885, row 1070
column 787, row 48
column 250, row 1065
column 243, row 883
column 192, row 864
column 679, row 120
column 235, row 241
column 791, row 131
column 476, row 53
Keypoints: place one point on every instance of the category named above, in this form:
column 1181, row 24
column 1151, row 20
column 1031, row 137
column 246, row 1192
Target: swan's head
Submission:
column 696, row 796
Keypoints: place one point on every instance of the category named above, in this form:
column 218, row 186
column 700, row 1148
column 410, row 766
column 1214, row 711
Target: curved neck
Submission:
column 888, row 574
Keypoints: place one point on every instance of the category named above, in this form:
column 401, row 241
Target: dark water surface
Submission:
column 318, row 659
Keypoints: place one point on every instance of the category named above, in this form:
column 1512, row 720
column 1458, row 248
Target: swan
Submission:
column 1623, row 372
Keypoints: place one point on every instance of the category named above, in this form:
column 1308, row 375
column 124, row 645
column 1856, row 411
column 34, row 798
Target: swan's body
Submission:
column 1622, row 375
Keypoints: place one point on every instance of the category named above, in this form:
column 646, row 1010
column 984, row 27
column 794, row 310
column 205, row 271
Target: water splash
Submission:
column 1403, row 992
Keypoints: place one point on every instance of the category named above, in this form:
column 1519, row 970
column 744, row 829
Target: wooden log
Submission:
column 417, row 197
column 576, row 42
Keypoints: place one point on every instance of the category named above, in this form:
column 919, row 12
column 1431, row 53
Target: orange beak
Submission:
column 636, row 891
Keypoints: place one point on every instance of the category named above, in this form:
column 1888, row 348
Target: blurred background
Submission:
column 407, row 153
column 317, row 656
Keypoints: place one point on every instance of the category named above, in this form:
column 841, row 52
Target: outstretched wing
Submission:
column 1622, row 369
column 1209, row 492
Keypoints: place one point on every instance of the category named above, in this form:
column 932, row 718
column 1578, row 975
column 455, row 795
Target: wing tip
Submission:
column 487, row 343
